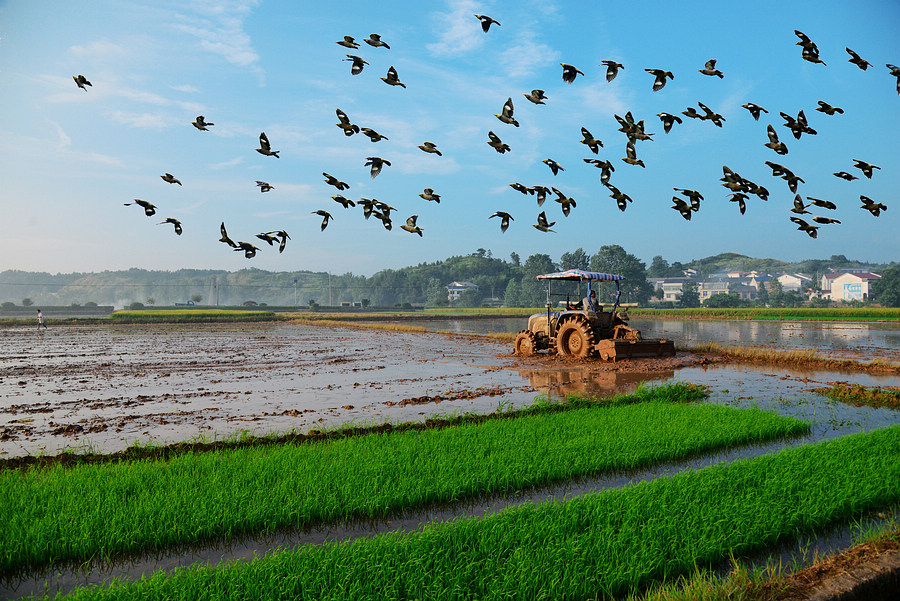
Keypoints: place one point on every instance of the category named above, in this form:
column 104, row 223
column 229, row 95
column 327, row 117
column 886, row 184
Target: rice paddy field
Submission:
column 514, row 479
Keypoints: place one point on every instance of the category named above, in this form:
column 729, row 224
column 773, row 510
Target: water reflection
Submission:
column 557, row 383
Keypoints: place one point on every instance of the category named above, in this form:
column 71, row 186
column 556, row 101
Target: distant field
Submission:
column 191, row 315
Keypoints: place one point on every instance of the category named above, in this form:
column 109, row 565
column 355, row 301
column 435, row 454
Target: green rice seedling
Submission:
column 858, row 394
column 96, row 509
column 607, row 544
column 190, row 316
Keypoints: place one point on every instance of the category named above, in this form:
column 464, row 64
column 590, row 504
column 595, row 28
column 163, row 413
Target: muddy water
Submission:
column 107, row 386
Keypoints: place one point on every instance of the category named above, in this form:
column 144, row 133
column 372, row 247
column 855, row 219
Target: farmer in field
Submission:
column 40, row 318
column 590, row 302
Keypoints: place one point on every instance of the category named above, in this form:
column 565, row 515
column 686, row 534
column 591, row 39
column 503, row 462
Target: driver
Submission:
column 590, row 302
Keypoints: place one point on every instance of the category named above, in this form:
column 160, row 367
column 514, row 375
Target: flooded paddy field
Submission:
column 106, row 387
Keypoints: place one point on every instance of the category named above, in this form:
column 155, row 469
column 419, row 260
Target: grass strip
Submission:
column 76, row 513
column 191, row 316
column 604, row 544
column 788, row 314
column 857, row 394
column 798, row 357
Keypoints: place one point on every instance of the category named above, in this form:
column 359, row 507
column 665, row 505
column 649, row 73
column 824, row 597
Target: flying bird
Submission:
column 376, row 163
column 612, row 69
column 348, row 42
column 486, row 22
column 590, row 141
column 225, row 237
column 536, row 96
column 410, row 225
column 710, row 69
column 668, row 120
column 333, row 181
column 265, row 148
column 495, row 143
column 343, row 201
column 326, row 216
column 825, row 220
column 521, row 188
column 858, row 60
column 620, row 197
column 357, row 64
column 81, row 81
column 806, row 227
column 825, row 204
column 631, row 155
column 374, row 40
column 267, row 237
column 201, row 123
column 429, row 195
column 149, row 209
column 566, row 201
column 554, row 166
column 844, row 175
column 826, row 108
column 871, row 206
column 249, row 249
column 754, row 109
column 895, row 71
column 799, row 206
column 506, row 114
column 344, row 123
column 430, row 148
column 264, row 186
column 798, row 126
column 682, row 207
column 692, row 195
column 741, row 199
column 373, row 135
column 774, row 142
column 606, row 168
column 283, row 238
column 168, row 177
column 392, row 79
column 569, row 73
column 865, row 167
column 542, row 223
column 174, row 222
column 709, row 115
column 660, row 75
column 540, row 193
column 505, row 218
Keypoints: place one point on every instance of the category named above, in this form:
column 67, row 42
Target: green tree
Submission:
column 151, row 301
column 469, row 298
column 514, row 257
column 533, row 292
column 511, row 296
column 690, row 298
column 577, row 259
column 776, row 294
column 365, row 303
column 27, row 302
column 762, row 294
column 614, row 259
column 196, row 297
column 8, row 305
column 886, row 291
column 659, row 267
column 722, row 300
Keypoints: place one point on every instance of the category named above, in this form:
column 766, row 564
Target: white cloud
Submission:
column 460, row 30
column 101, row 49
column 220, row 28
column 525, row 57
column 141, row 120
column 225, row 164
column 64, row 140
column 187, row 89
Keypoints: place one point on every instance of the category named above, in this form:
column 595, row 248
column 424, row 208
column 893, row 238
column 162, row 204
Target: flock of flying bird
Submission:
column 740, row 187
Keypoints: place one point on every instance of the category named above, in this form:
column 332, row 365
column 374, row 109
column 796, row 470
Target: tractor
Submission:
column 580, row 332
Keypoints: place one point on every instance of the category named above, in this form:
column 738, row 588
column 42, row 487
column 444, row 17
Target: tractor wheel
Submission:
column 525, row 343
column 575, row 338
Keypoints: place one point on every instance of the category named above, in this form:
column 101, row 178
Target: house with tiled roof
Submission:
column 454, row 289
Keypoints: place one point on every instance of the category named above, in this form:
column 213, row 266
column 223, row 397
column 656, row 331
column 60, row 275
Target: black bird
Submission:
column 348, row 42
column 376, row 164
column 486, row 22
column 344, row 123
column 620, row 197
column 895, row 71
column 668, row 120
column 358, row 64
column 806, row 227
column 590, row 141
column 631, row 155
column 374, row 40
column 169, row 178
column 267, row 237
column 521, row 188
column 410, row 225
column 810, row 50
column 606, row 168
column 283, row 238
column 682, row 207
column 741, row 199
column 825, row 204
column 566, row 201
column 201, row 123
column 798, row 126
column 692, row 113
column 858, row 60
column 554, row 166
column 225, row 237
column 174, row 222
column 506, row 114
column 778, row 169
column 368, row 205
column 325, row 217
column 844, row 175
column 754, row 109
column 81, row 81
column 694, row 196
column 149, row 209
column 536, row 96
column 825, row 220
column 865, row 167
column 710, row 69
column 871, row 206
column 792, row 181
column 799, row 206
column 430, row 148
column 542, row 223
column 497, row 144
column 265, row 148
column 709, row 115
column 569, row 73
column 773, row 142
column 660, row 75
column 612, row 69
column 264, row 186
column 333, row 181
column 505, row 218
column 429, row 195
column 344, row 202
column 826, row 108
column 391, row 78
column 373, row 135
column 249, row 249
column 540, row 193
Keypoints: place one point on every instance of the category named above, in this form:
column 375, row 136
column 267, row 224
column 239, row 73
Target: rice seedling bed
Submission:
column 61, row 513
column 800, row 358
column 190, row 316
column 858, row 394
column 609, row 543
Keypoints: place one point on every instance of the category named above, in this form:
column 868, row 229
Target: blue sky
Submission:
column 71, row 158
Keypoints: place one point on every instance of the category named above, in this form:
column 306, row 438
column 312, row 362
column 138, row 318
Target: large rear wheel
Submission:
column 575, row 338
column 526, row 344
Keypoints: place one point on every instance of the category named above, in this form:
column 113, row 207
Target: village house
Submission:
column 847, row 286
column 454, row 289
column 671, row 287
column 793, row 281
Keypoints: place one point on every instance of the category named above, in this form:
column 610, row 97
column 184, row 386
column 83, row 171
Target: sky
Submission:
column 70, row 159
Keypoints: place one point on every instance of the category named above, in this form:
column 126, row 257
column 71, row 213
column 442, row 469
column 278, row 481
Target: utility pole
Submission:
column 330, row 303
column 295, row 292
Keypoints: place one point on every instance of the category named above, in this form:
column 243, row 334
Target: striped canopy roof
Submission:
column 580, row 275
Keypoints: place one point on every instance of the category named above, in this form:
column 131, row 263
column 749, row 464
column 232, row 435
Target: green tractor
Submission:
column 579, row 331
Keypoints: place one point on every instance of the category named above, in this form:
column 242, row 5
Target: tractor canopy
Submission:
column 579, row 275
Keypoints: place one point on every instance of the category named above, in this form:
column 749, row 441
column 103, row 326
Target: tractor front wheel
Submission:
column 575, row 338
column 526, row 344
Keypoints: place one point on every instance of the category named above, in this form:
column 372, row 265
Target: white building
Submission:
column 793, row 281
column 671, row 287
column 454, row 289
column 847, row 286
